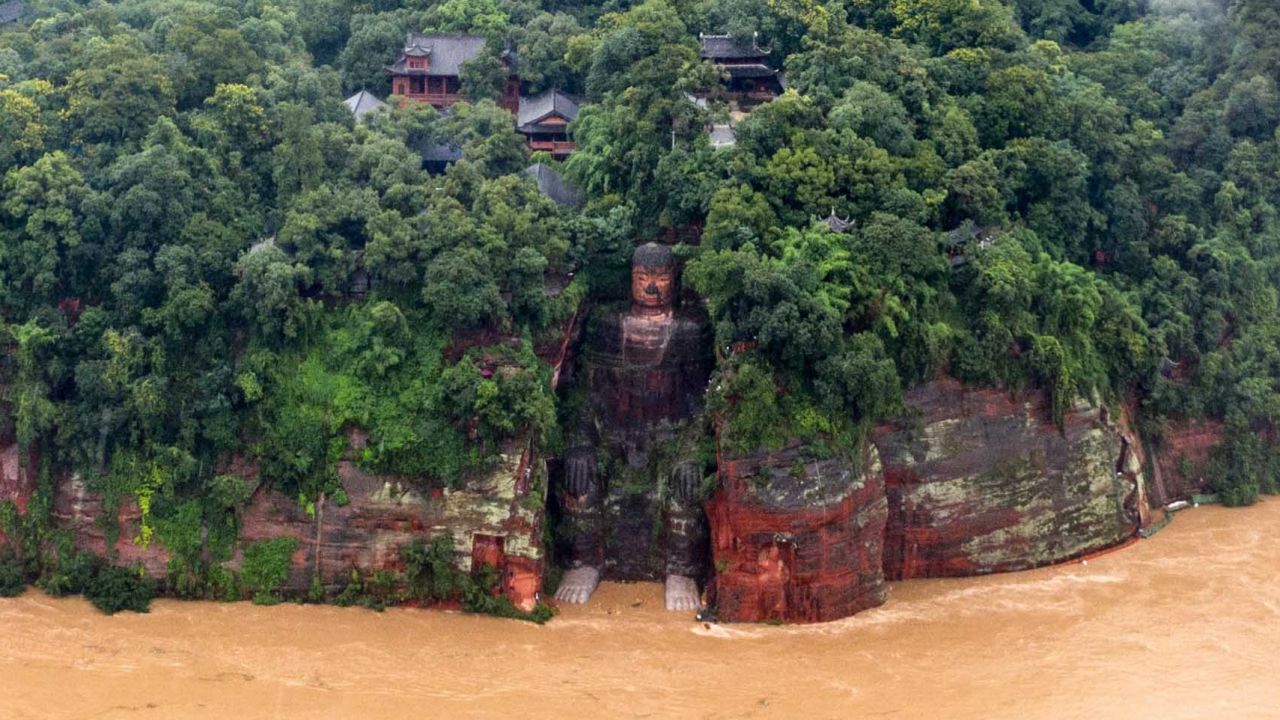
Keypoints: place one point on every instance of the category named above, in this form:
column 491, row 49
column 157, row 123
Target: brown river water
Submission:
column 1185, row 625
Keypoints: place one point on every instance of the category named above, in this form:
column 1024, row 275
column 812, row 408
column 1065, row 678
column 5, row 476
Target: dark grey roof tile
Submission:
column 446, row 54
column 715, row 47
column 553, row 185
column 540, row 107
column 363, row 103
column 11, row 12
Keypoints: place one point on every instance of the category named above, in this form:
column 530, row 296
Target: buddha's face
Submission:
column 652, row 287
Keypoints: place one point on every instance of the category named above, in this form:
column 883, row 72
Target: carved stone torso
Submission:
column 646, row 373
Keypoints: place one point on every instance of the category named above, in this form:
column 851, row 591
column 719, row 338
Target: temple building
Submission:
column 430, row 69
column 751, row 81
column 544, row 119
column 363, row 103
column 437, row 157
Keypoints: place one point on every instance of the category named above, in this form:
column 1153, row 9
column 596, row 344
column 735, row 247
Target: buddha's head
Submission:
column 653, row 278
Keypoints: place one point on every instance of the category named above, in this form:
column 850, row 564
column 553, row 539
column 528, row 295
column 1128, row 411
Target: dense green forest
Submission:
column 1073, row 194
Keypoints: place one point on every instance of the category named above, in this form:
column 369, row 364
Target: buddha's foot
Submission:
column 578, row 584
column 682, row 593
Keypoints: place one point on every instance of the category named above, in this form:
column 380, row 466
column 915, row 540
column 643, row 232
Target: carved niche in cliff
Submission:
column 631, row 495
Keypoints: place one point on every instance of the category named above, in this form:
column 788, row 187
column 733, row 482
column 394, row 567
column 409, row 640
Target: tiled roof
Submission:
column 837, row 223
column 748, row 72
column 723, row 136
column 540, row 107
column 446, row 53
column 442, row 153
column 726, row 46
column 553, row 185
column 362, row 103
column 11, row 11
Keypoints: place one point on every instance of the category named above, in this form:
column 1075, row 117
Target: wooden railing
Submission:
column 440, row 100
column 556, row 147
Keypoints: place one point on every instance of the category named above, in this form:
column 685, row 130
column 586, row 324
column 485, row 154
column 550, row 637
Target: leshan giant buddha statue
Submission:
column 631, row 493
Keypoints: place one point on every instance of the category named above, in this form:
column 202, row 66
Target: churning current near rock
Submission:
column 1185, row 625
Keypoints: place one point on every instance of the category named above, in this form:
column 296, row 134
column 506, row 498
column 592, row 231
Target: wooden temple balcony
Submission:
column 437, row 100
column 558, row 148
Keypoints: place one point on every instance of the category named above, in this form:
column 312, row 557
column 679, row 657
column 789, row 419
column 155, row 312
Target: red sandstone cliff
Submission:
column 495, row 518
column 982, row 480
column 974, row 481
column 1181, row 458
column 17, row 479
column 796, row 538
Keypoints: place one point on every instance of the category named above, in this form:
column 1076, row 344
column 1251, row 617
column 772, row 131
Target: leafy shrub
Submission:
column 266, row 567
column 110, row 588
column 222, row 584
column 113, row 589
column 433, row 576
column 375, row 592
column 430, row 571
column 69, row 573
column 13, row 576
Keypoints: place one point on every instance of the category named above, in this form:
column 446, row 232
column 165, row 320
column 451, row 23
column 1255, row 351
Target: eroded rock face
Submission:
column 82, row 512
column 796, row 538
column 1181, row 458
column 984, row 481
column 496, row 519
column 17, row 479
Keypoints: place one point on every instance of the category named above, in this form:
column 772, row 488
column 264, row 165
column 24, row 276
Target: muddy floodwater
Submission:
column 1185, row 625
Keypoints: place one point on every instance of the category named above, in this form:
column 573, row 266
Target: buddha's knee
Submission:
column 686, row 483
column 580, row 477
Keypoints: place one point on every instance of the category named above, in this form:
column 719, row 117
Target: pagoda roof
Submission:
column 447, row 53
column 535, row 109
column 837, row 223
column 715, row 47
column 363, row 103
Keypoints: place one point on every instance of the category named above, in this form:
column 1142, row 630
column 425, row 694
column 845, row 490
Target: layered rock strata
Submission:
column 495, row 518
column 1181, row 459
column 797, row 538
column 982, row 480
